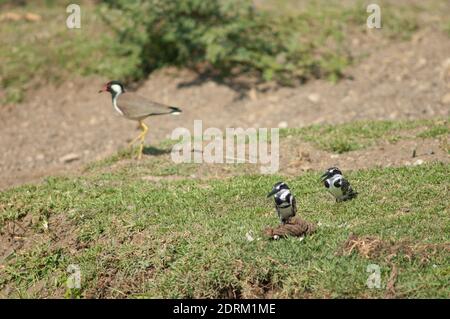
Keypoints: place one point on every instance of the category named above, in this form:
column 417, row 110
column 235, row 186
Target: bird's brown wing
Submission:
column 137, row 107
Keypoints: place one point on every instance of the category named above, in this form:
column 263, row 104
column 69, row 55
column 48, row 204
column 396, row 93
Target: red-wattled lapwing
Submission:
column 284, row 201
column 337, row 185
column 136, row 107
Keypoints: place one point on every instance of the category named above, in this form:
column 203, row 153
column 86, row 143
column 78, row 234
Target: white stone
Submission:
column 249, row 236
column 314, row 97
column 69, row 158
column 283, row 124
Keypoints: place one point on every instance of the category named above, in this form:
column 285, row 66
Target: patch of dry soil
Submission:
column 58, row 129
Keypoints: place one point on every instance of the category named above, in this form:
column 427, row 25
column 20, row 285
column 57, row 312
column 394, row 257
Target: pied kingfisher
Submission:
column 337, row 185
column 284, row 201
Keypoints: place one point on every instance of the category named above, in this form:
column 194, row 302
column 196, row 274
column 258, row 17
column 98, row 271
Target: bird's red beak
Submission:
column 104, row 89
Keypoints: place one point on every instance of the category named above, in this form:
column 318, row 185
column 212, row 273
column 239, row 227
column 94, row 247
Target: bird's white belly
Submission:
column 285, row 212
column 336, row 191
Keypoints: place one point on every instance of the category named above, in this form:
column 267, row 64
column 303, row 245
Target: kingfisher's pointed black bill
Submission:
column 273, row 192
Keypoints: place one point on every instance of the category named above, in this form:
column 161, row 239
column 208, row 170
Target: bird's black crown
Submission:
column 110, row 83
column 108, row 88
column 331, row 172
column 278, row 187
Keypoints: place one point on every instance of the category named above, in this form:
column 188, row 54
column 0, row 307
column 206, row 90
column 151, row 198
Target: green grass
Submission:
column 37, row 53
column 362, row 134
column 435, row 131
column 186, row 238
column 339, row 138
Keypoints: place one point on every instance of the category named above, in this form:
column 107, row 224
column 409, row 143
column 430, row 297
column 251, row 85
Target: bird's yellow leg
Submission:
column 137, row 137
column 134, row 140
column 140, row 134
column 143, row 135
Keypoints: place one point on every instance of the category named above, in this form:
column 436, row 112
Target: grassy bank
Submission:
column 134, row 238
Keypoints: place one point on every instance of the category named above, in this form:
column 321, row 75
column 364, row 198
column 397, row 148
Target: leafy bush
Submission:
column 229, row 38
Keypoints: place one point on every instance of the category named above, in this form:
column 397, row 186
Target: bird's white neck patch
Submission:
column 115, row 101
column 284, row 193
column 116, row 88
column 335, row 177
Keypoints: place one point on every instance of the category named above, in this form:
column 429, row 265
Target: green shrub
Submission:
column 229, row 38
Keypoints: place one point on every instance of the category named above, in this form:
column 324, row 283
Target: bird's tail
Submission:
column 351, row 195
column 354, row 194
column 174, row 110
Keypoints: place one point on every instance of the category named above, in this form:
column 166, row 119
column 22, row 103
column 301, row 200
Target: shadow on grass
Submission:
column 151, row 150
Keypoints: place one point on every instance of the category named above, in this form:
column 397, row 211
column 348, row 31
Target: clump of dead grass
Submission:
column 372, row 247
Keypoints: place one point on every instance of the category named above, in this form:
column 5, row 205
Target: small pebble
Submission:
column 283, row 124
column 314, row 97
column 69, row 158
column 249, row 236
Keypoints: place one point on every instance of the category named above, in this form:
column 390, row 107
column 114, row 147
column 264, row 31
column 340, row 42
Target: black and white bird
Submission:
column 135, row 107
column 284, row 201
column 337, row 185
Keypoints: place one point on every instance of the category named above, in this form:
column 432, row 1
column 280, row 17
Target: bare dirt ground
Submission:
column 59, row 129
